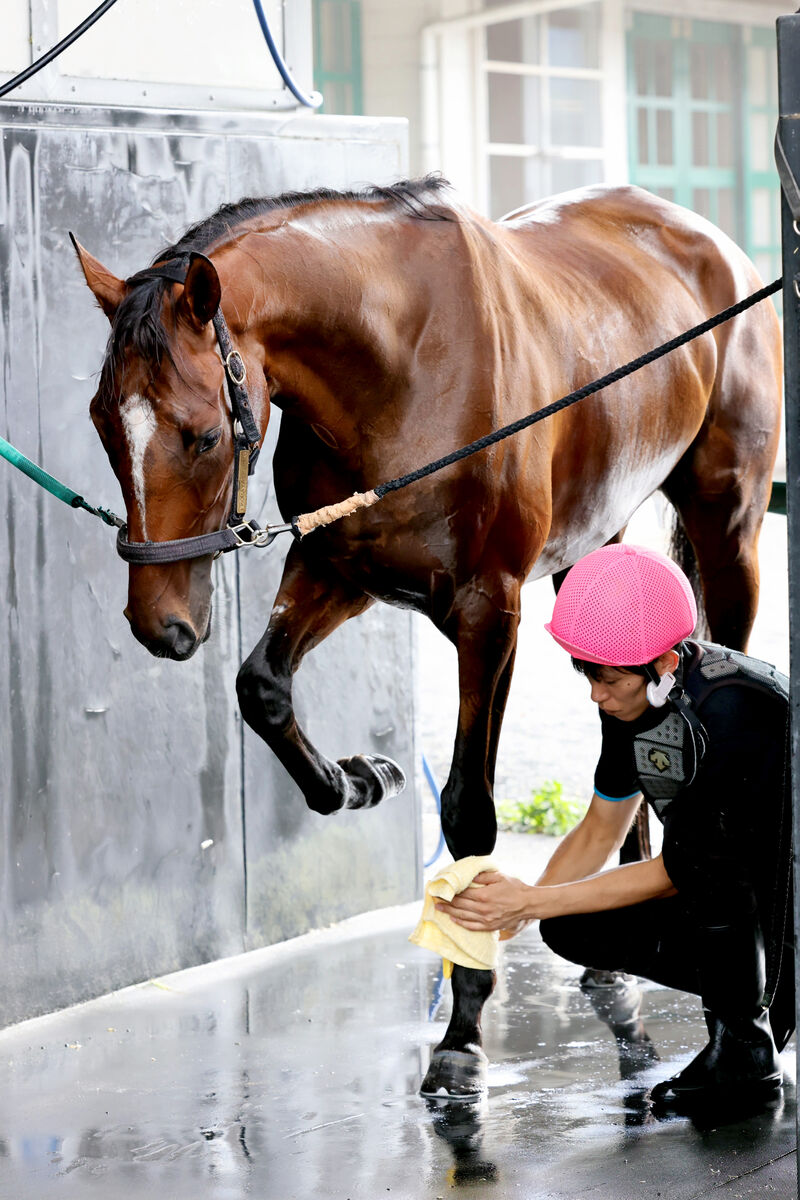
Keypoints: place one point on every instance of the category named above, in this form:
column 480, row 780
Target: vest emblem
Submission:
column 659, row 759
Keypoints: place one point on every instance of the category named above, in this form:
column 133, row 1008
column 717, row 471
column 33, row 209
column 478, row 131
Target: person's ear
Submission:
column 667, row 662
column 664, row 666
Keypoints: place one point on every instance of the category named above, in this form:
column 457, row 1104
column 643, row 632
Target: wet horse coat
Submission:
column 391, row 327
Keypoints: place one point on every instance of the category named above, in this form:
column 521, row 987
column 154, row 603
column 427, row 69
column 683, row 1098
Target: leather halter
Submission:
column 246, row 447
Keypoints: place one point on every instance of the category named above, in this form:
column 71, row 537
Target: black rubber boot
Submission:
column 740, row 1058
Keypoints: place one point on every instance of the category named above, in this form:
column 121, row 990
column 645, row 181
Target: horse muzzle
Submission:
column 175, row 638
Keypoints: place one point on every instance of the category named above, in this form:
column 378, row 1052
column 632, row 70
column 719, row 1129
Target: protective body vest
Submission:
column 668, row 756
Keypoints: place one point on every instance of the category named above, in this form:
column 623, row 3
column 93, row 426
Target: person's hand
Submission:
column 501, row 902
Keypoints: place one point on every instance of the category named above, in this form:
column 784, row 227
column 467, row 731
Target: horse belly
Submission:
column 589, row 510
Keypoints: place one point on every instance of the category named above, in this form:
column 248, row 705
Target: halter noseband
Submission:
column 246, row 447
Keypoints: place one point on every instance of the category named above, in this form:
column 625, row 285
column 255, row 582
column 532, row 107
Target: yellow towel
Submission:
column 438, row 932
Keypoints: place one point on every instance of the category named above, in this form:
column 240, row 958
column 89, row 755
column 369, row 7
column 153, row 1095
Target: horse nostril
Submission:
column 181, row 637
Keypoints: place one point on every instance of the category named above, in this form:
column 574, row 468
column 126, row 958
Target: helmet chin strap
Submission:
column 659, row 687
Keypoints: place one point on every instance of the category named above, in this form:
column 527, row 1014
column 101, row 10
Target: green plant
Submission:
column 547, row 811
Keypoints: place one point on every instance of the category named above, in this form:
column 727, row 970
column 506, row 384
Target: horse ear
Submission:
column 107, row 289
column 201, row 291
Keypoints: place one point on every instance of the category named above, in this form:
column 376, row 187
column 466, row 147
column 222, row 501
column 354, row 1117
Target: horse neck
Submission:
column 302, row 300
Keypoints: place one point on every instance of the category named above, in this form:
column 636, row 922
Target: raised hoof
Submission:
column 456, row 1075
column 371, row 778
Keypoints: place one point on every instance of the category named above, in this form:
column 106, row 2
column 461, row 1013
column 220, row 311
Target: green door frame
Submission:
column 338, row 71
column 670, row 129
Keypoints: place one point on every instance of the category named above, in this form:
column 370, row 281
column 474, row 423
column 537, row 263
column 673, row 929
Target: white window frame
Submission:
column 455, row 66
column 454, row 83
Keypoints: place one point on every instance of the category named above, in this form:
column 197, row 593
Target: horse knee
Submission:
column 469, row 824
column 463, row 838
column 264, row 697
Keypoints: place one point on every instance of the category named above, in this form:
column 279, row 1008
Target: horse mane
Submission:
column 137, row 324
column 416, row 197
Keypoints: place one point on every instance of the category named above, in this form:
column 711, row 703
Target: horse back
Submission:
column 516, row 314
column 623, row 271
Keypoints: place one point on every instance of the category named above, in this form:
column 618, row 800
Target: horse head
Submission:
column 163, row 415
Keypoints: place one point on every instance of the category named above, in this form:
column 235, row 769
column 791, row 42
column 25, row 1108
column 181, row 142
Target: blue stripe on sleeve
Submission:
column 615, row 799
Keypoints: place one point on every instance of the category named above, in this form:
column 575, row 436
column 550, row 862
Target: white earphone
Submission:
column 657, row 693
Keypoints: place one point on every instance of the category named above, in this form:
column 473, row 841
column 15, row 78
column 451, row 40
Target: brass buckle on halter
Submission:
column 237, row 379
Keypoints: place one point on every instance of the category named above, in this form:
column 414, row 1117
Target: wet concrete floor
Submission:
column 292, row 1074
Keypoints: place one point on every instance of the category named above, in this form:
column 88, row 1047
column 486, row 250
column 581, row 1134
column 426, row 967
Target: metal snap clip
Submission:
column 254, row 535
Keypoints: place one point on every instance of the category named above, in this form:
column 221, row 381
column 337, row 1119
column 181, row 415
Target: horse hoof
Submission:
column 606, row 979
column 455, row 1075
column 371, row 778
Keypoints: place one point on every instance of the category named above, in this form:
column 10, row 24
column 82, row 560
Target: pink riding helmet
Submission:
column 623, row 606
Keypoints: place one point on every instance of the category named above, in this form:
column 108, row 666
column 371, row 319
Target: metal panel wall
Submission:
column 116, row 767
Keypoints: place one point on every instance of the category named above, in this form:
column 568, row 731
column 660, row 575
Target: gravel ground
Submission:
column 551, row 729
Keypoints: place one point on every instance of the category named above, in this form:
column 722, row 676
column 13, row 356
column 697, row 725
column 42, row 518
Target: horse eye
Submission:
column 208, row 441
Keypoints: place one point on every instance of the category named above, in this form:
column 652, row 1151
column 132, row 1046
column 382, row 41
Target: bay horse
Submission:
column 391, row 326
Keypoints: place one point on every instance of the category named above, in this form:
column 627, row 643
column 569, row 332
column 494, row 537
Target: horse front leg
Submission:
column 483, row 624
column 312, row 601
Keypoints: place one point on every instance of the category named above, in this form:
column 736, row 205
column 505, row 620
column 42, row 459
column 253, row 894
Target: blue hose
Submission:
column 310, row 100
column 438, row 799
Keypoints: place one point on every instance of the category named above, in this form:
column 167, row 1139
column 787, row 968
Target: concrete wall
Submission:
column 392, row 65
column 116, row 768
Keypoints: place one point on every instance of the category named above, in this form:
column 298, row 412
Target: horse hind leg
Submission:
column 722, row 484
column 311, row 602
column 719, row 551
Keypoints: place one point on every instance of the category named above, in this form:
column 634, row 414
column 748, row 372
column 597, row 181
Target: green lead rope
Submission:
column 53, row 485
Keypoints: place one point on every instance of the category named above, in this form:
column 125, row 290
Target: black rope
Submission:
column 59, row 48
column 588, row 389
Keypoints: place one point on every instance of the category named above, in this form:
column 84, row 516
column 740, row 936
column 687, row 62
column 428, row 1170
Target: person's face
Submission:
column 619, row 693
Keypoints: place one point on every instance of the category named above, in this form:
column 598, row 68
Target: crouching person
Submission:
column 701, row 732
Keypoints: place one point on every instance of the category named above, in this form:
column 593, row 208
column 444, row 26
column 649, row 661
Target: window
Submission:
column 702, row 110
column 337, row 55
column 543, row 86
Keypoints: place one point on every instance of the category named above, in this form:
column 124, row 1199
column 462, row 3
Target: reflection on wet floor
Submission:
column 293, row 1075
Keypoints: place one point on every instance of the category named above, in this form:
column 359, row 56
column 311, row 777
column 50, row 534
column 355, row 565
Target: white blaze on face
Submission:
column 139, row 423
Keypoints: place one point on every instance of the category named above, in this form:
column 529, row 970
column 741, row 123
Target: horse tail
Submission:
column 683, row 553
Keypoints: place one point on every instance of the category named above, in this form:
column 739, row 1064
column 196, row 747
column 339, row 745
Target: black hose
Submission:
column 57, row 49
column 312, row 100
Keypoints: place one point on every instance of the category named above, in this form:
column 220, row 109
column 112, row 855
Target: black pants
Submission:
column 657, row 940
